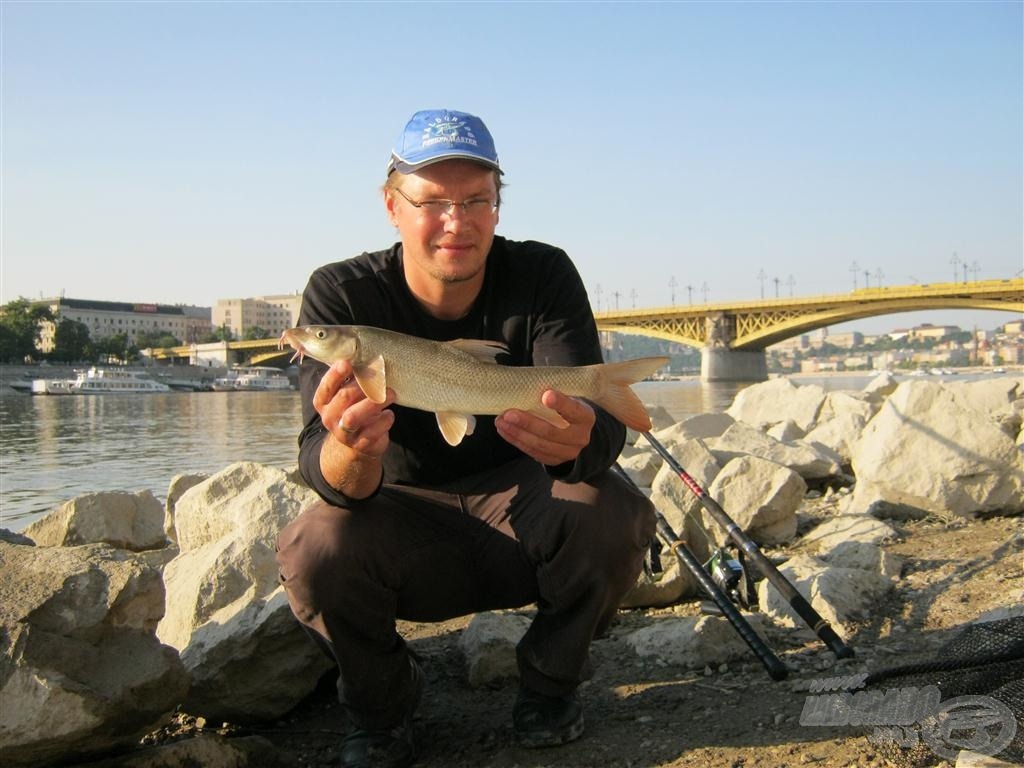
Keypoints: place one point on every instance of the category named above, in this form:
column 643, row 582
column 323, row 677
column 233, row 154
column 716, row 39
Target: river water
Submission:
column 56, row 448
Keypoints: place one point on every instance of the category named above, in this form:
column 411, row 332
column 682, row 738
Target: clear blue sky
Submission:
column 182, row 152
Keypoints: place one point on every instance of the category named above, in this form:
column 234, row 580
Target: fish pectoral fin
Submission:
column 373, row 380
column 455, row 426
column 478, row 349
column 550, row 416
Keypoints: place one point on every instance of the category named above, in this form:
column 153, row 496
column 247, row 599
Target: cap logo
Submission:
column 448, row 129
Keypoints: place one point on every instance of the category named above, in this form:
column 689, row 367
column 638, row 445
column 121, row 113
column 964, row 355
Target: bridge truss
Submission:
column 759, row 324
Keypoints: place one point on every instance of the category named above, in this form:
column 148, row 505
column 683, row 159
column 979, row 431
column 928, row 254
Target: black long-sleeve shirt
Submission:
column 532, row 300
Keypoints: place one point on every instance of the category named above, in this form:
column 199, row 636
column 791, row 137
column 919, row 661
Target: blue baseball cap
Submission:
column 433, row 135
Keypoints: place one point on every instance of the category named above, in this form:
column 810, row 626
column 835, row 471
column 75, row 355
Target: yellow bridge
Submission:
column 734, row 335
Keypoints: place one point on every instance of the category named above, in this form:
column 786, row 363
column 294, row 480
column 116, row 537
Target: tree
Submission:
column 156, row 339
column 254, row 333
column 220, row 334
column 117, row 347
column 21, row 324
column 71, row 342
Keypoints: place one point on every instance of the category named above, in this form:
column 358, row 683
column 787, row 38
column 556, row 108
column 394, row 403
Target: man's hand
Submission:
column 545, row 442
column 358, row 427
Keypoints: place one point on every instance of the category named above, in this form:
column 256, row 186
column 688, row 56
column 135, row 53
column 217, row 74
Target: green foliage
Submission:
column 20, row 329
column 156, row 339
column 71, row 342
column 255, row 333
column 218, row 334
column 117, row 348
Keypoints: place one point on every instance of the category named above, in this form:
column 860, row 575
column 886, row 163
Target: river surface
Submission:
column 56, row 448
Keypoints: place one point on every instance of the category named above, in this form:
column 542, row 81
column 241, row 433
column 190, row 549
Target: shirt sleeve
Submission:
column 322, row 304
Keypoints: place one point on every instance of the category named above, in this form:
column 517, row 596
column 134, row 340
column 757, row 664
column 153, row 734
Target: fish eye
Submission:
column 321, row 333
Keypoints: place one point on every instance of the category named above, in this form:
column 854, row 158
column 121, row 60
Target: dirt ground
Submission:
column 640, row 713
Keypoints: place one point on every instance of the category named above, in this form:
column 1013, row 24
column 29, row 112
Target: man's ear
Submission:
column 389, row 206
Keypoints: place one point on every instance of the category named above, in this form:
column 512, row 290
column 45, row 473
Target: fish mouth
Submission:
column 290, row 340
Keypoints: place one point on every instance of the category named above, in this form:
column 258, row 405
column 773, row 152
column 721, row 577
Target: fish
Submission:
column 461, row 379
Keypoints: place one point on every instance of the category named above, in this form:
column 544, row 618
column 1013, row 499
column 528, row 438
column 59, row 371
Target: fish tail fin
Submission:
column 621, row 401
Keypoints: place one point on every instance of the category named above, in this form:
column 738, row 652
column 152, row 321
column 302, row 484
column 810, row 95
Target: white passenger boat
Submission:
column 113, row 381
column 261, row 378
column 253, row 378
column 51, row 387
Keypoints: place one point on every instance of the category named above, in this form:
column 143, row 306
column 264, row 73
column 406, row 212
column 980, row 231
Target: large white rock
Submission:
column 838, row 434
column 81, row 670
column 175, row 490
column 931, row 449
column 691, row 641
column 124, row 520
column 700, row 426
column 641, row 465
column 766, row 403
column 680, row 507
column 760, row 496
column 811, row 462
column 1001, row 398
column 488, row 644
column 849, row 528
column 245, row 653
column 840, row 595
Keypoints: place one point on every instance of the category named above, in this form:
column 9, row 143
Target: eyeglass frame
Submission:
column 432, row 206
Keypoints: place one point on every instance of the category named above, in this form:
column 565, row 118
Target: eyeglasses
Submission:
column 475, row 206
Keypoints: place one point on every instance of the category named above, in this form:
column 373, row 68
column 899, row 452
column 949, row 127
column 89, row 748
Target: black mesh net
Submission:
column 967, row 696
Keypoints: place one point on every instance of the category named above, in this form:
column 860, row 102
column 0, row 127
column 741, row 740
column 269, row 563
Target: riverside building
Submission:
column 105, row 319
column 273, row 314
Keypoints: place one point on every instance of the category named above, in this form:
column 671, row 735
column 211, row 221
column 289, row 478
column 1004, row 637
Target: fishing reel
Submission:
column 732, row 576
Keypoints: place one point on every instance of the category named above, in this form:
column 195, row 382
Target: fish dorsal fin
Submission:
column 455, row 426
column 372, row 379
column 484, row 351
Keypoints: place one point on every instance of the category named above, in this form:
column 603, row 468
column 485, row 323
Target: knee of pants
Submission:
column 312, row 553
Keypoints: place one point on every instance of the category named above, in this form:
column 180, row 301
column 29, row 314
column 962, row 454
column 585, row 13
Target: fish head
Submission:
column 326, row 343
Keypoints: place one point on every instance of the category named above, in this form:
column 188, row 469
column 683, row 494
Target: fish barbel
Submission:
column 456, row 380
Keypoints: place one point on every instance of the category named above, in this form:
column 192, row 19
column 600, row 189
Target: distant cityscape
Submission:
column 922, row 346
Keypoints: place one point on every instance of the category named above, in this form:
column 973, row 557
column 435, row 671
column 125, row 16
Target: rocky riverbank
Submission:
column 138, row 634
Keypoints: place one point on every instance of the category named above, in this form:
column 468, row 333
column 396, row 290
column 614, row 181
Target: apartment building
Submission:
column 105, row 319
column 273, row 314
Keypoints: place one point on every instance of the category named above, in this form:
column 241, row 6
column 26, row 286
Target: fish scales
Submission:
column 434, row 376
column 459, row 379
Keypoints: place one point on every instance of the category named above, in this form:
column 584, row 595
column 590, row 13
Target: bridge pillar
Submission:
column 723, row 364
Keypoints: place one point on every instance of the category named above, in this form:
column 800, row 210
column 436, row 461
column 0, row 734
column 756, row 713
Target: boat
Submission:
column 253, row 378
column 113, row 381
column 51, row 387
column 225, row 383
column 261, row 378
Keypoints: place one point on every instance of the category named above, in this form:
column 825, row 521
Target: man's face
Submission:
column 444, row 246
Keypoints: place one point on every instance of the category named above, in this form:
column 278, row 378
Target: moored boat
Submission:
column 113, row 381
column 261, row 378
column 51, row 387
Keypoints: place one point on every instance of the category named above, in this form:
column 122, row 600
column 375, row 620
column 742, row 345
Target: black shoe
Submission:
column 390, row 747
column 546, row 721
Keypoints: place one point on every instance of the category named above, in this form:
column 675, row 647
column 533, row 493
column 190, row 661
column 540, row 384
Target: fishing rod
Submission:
column 767, row 568
column 776, row 669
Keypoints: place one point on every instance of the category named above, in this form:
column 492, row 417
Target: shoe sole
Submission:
column 550, row 738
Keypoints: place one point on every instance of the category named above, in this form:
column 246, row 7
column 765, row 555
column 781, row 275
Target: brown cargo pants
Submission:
column 505, row 539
